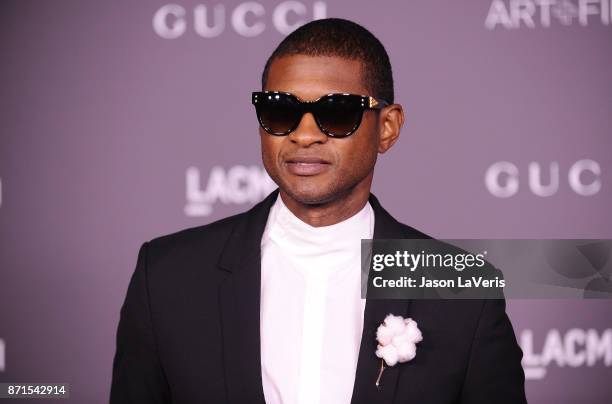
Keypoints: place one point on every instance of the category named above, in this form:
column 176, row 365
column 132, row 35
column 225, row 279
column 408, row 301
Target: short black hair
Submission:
column 342, row 38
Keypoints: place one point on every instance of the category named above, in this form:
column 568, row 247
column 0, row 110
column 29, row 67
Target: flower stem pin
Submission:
column 397, row 338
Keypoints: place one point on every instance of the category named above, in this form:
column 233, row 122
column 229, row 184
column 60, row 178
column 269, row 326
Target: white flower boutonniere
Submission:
column 397, row 338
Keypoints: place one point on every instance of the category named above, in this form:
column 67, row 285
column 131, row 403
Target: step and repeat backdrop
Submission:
column 124, row 120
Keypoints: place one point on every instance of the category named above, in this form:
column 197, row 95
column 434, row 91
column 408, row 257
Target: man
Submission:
column 265, row 305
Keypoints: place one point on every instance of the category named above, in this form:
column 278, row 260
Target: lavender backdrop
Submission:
column 123, row 120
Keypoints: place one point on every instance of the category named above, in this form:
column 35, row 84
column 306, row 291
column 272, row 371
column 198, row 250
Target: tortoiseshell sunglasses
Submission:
column 336, row 115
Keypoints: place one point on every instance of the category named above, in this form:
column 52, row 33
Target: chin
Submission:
column 310, row 194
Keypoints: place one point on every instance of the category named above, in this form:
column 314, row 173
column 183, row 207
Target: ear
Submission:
column 390, row 123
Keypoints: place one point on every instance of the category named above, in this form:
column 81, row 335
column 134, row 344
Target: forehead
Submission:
column 310, row 77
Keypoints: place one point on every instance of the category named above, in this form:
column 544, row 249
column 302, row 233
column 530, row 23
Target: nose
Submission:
column 307, row 132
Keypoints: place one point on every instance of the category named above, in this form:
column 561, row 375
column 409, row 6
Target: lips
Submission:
column 306, row 165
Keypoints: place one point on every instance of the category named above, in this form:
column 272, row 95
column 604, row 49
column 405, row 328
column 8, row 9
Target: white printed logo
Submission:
column 238, row 185
column 2, row 355
column 575, row 348
column 247, row 19
column 514, row 14
column 583, row 177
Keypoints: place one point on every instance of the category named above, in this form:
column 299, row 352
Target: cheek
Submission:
column 360, row 152
column 356, row 160
column 270, row 147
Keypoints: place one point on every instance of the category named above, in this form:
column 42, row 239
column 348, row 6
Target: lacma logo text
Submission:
column 574, row 348
column 238, row 185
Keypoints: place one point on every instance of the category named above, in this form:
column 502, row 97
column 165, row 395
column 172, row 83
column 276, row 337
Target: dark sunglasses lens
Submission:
column 278, row 113
column 339, row 115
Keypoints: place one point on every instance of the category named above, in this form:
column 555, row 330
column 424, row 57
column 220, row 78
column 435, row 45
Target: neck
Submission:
column 332, row 212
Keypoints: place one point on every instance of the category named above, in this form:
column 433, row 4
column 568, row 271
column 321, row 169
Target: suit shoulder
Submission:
column 211, row 235
column 411, row 232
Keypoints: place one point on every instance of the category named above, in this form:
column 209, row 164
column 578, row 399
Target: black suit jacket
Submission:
column 189, row 328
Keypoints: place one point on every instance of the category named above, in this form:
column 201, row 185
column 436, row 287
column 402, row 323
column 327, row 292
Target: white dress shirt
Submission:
column 311, row 313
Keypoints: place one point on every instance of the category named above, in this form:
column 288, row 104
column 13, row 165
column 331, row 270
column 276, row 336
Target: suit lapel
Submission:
column 368, row 364
column 239, row 298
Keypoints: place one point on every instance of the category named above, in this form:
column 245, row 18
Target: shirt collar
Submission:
column 289, row 230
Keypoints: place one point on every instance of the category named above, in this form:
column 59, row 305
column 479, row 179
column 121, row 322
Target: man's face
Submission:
column 308, row 165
